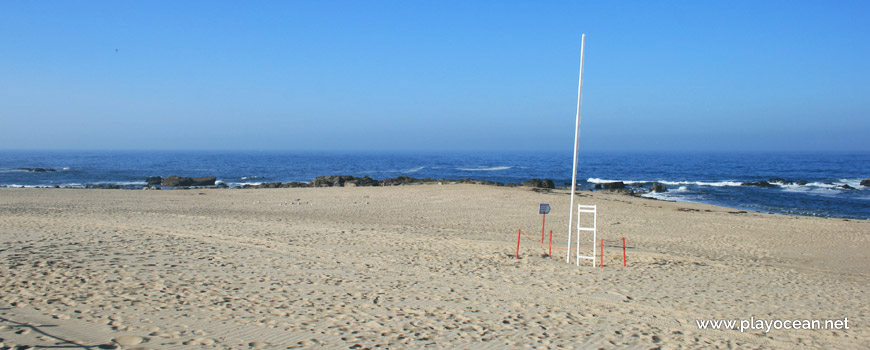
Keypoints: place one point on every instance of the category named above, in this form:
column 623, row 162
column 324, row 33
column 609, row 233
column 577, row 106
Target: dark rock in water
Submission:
column 614, row 185
column 175, row 181
column 781, row 180
column 37, row 170
column 597, row 186
column 758, row 184
column 154, row 180
column 847, row 187
column 866, row 182
column 657, row 187
column 222, row 185
column 803, row 182
column 295, row 185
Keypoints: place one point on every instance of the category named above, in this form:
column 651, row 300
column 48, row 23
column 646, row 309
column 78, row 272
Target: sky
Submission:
column 434, row 75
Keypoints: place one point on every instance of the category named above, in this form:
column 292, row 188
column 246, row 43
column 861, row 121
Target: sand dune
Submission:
column 413, row 266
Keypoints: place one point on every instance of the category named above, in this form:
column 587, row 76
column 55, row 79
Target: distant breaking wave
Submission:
column 672, row 183
column 855, row 183
column 495, row 168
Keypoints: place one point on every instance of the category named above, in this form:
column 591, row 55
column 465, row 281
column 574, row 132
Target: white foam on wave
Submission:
column 414, row 170
column 856, row 183
column 234, row 184
column 665, row 196
column 595, row 180
column 726, row 183
column 495, row 168
column 670, row 183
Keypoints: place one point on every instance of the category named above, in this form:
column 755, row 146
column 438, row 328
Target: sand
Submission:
column 428, row 266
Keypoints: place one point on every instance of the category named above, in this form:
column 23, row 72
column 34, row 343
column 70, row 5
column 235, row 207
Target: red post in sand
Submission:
column 519, row 232
column 543, row 223
column 602, row 254
column 550, row 253
column 623, row 251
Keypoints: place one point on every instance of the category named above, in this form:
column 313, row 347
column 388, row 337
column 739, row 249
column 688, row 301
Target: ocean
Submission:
column 704, row 177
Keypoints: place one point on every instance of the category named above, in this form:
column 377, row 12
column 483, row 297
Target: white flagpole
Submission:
column 576, row 145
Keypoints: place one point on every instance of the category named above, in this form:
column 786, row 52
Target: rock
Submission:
column 295, row 185
column 175, row 181
column 366, row 181
column 614, row 185
column 533, row 183
column 847, row 187
column 758, row 184
column 866, row 182
column 128, row 340
column 402, row 180
column 803, row 182
column 547, row 183
column 597, row 186
column 781, row 180
column 657, row 187
column 331, row 181
column 154, row 180
column 37, row 170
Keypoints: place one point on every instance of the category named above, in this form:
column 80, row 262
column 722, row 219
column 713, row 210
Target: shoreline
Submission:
column 618, row 187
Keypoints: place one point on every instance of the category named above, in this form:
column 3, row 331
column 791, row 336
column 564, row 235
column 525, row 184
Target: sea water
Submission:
column 705, row 177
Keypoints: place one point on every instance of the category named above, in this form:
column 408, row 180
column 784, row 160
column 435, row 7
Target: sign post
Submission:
column 544, row 210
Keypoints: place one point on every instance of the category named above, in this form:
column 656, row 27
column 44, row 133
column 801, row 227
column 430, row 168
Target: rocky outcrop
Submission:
column 758, row 184
column 781, row 181
column 154, row 180
column 847, row 187
column 619, row 185
column 37, row 170
column 866, row 182
column 658, row 188
column 533, row 183
column 176, row 181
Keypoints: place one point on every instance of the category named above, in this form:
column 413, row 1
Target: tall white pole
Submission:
column 576, row 146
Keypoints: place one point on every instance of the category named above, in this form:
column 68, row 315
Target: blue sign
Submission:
column 545, row 209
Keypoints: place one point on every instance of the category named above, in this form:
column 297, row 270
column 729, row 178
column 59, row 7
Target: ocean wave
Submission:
column 495, row 168
column 595, row 180
column 414, row 170
column 665, row 196
column 235, row 184
column 669, row 183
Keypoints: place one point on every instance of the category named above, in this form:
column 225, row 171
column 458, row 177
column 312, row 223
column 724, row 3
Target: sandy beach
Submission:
column 426, row 266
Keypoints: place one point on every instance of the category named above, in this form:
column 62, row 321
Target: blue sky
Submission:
column 434, row 75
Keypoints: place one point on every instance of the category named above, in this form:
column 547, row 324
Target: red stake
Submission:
column 602, row 253
column 518, row 242
column 544, row 223
column 550, row 254
column 623, row 251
